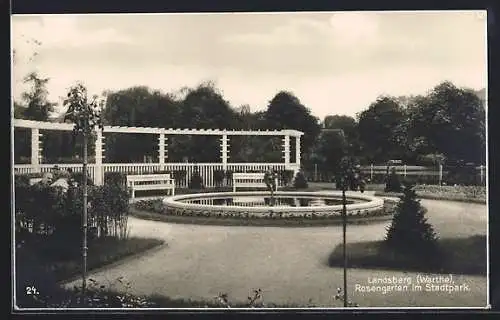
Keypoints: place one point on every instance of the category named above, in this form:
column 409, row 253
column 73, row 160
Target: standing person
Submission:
column 270, row 181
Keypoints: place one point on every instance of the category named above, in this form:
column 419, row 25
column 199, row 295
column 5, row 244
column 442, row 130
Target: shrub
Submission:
column 229, row 176
column 219, row 176
column 410, row 234
column 115, row 178
column 109, row 210
column 21, row 179
column 285, row 177
column 78, row 178
column 179, row 175
column 300, row 181
column 196, row 181
column 52, row 214
column 393, row 184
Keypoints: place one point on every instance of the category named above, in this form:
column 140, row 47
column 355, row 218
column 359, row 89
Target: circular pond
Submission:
column 287, row 205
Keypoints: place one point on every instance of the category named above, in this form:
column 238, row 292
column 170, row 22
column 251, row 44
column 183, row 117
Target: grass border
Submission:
column 118, row 260
column 364, row 255
column 259, row 222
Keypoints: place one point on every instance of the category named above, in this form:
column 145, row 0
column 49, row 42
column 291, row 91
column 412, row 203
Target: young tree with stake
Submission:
column 348, row 178
column 85, row 113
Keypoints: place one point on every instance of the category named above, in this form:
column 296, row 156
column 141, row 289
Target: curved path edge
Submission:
column 118, row 262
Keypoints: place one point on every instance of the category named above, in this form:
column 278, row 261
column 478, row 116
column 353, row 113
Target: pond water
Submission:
column 262, row 201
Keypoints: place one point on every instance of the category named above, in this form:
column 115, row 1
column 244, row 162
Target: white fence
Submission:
column 206, row 170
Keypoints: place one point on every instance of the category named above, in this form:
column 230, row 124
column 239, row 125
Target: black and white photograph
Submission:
column 260, row 160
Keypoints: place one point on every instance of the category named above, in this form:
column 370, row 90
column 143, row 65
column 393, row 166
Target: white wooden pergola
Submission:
column 99, row 167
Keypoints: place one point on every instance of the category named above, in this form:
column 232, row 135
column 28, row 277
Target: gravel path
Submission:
column 288, row 264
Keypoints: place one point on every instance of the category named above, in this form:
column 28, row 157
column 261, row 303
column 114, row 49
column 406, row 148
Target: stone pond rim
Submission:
column 366, row 203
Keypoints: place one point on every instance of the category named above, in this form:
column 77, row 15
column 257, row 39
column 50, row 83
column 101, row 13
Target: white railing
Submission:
column 206, row 170
column 75, row 167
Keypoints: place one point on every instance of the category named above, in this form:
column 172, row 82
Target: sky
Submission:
column 334, row 62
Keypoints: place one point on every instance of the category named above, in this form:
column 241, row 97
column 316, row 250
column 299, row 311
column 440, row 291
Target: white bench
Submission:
column 141, row 182
column 250, row 180
column 35, row 181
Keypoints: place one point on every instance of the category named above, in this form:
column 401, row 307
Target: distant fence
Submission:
column 447, row 174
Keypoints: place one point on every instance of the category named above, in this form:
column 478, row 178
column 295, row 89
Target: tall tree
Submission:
column 330, row 148
column 38, row 107
column 137, row 106
column 204, row 107
column 349, row 127
column 382, row 130
column 450, row 121
column 285, row 111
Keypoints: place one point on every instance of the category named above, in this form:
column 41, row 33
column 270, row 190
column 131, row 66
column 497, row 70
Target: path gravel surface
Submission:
column 288, row 264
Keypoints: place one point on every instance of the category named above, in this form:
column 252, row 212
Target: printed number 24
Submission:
column 31, row 291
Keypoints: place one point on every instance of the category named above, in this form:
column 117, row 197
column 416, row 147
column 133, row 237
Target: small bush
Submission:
column 196, row 181
column 285, row 177
column 410, row 229
column 179, row 175
column 53, row 214
column 300, row 181
column 393, row 184
column 78, row 178
column 229, row 176
column 115, row 178
column 219, row 176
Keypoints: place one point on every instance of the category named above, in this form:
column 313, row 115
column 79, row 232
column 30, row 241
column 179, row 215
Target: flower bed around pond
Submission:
column 155, row 210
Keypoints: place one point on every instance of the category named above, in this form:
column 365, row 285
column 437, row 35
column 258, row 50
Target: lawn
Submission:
column 101, row 252
column 459, row 256
column 472, row 194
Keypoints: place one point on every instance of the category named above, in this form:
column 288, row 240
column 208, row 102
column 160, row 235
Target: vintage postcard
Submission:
column 197, row 161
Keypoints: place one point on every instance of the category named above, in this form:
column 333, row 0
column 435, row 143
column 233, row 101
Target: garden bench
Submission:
column 142, row 182
column 35, row 181
column 250, row 180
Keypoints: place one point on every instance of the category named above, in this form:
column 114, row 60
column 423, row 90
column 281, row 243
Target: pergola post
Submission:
column 286, row 151
column 224, row 151
column 36, row 152
column 99, row 155
column 297, row 154
column 162, row 150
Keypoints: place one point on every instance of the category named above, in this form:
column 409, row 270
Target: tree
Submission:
column 382, row 130
column 255, row 148
column 22, row 138
column 36, row 99
column 285, row 111
column 204, row 108
column 332, row 145
column 137, row 106
column 450, row 121
column 33, row 106
column 86, row 116
column 346, row 123
column 330, row 148
column 347, row 172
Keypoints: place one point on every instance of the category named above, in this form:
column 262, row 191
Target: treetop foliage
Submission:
column 446, row 124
